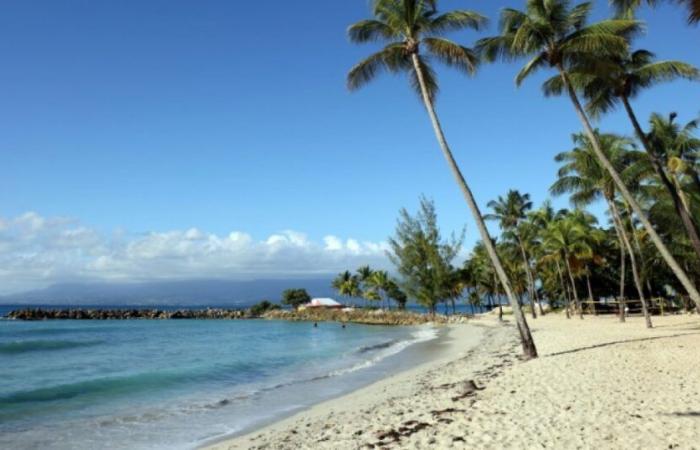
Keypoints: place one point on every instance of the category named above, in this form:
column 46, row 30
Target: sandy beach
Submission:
column 597, row 383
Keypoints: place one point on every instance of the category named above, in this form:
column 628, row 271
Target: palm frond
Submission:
column 391, row 58
column 666, row 71
column 531, row 67
column 452, row 54
column 457, row 20
column 369, row 31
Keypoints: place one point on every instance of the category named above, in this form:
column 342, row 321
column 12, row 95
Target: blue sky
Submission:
column 136, row 117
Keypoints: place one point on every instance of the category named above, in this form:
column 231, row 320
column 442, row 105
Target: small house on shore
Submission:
column 327, row 303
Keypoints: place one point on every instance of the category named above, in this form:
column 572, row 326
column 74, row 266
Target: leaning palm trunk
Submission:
column 633, row 263
column 525, row 336
column 577, row 302
column 629, row 198
column 530, row 280
column 679, row 205
column 566, row 290
column 623, row 257
column 590, row 293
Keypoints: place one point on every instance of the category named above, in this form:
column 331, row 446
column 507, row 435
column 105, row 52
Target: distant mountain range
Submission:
column 190, row 293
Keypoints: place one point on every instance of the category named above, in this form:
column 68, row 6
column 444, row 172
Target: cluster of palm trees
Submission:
column 374, row 286
column 594, row 65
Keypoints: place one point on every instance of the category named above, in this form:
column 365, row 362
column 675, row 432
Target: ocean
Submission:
column 179, row 384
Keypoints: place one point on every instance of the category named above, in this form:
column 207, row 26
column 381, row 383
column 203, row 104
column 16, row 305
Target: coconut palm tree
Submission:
column 510, row 212
column 347, row 285
column 568, row 237
column 379, row 282
column 582, row 176
column 481, row 276
column 413, row 32
column 626, row 8
column 618, row 79
column 677, row 147
column 556, row 36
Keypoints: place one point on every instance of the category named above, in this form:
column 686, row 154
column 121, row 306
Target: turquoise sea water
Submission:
column 177, row 384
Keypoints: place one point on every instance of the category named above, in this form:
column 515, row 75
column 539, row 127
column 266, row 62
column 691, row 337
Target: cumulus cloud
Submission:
column 37, row 251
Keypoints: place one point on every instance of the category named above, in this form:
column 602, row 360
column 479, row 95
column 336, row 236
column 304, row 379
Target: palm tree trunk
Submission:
column 566, row 290
column 623, row 272
column 526, row 340
column 643, row 261
column 530, row 281
column 689, row 224
column 635, row 273
column 623, row 256
column 573, row 286
column 590, row 293
column 537, row 298
column 629, row 198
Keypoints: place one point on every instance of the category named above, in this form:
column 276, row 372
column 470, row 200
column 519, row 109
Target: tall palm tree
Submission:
column 618, row 79
column 626, row 8
column 582, row 176
column 510, row 212
column 410, row 27
column 558, row 37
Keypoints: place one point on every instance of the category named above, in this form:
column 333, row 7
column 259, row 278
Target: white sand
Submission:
column 598, row 383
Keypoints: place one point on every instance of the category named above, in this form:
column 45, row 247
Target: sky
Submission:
column 171, row 139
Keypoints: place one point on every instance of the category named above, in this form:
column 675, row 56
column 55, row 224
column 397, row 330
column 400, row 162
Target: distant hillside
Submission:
column 191, row 293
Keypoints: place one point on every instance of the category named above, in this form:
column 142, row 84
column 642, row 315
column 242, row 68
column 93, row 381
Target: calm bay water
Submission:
column 176, row 384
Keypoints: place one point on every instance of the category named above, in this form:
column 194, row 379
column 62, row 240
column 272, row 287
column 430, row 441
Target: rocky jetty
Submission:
column 364, row 316
column 127, row 314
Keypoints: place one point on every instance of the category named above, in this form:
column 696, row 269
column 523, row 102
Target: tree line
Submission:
column 596, row 66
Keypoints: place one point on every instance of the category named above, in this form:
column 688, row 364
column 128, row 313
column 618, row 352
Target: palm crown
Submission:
column 407, row 26
column 627, row 7
column 509, row 211
column 606, row 81
column 555, row 35
column 581, row 174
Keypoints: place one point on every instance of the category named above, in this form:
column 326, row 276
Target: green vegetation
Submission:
column 371, row 285
column 413, row 31
column 295, row 297
column 261, row 308
column 561, row 256
column 423, row 258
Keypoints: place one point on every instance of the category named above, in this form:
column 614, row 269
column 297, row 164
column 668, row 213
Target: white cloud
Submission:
column 37, row 251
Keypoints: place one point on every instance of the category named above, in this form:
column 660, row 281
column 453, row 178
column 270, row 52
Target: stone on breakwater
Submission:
column 126, row 314
column 363, row 316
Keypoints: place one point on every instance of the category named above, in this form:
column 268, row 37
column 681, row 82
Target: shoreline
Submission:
column 598, row 383
column 453, row 347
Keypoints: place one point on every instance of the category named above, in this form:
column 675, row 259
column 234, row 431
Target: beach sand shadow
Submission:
column 608, row 344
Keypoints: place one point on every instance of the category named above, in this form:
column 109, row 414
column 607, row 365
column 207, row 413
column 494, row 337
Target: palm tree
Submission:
column 409, row 27
column 347, row 285
column 677, row 149
column 481, row 277
column 379, row 282
column 618, row 79
column 364, row 274
column 558, row 37
column 568, row 237
column 510, row 212
column 586, row 180
column 626, row 8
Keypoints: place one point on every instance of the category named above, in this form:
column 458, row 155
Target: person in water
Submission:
column 315, row 324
